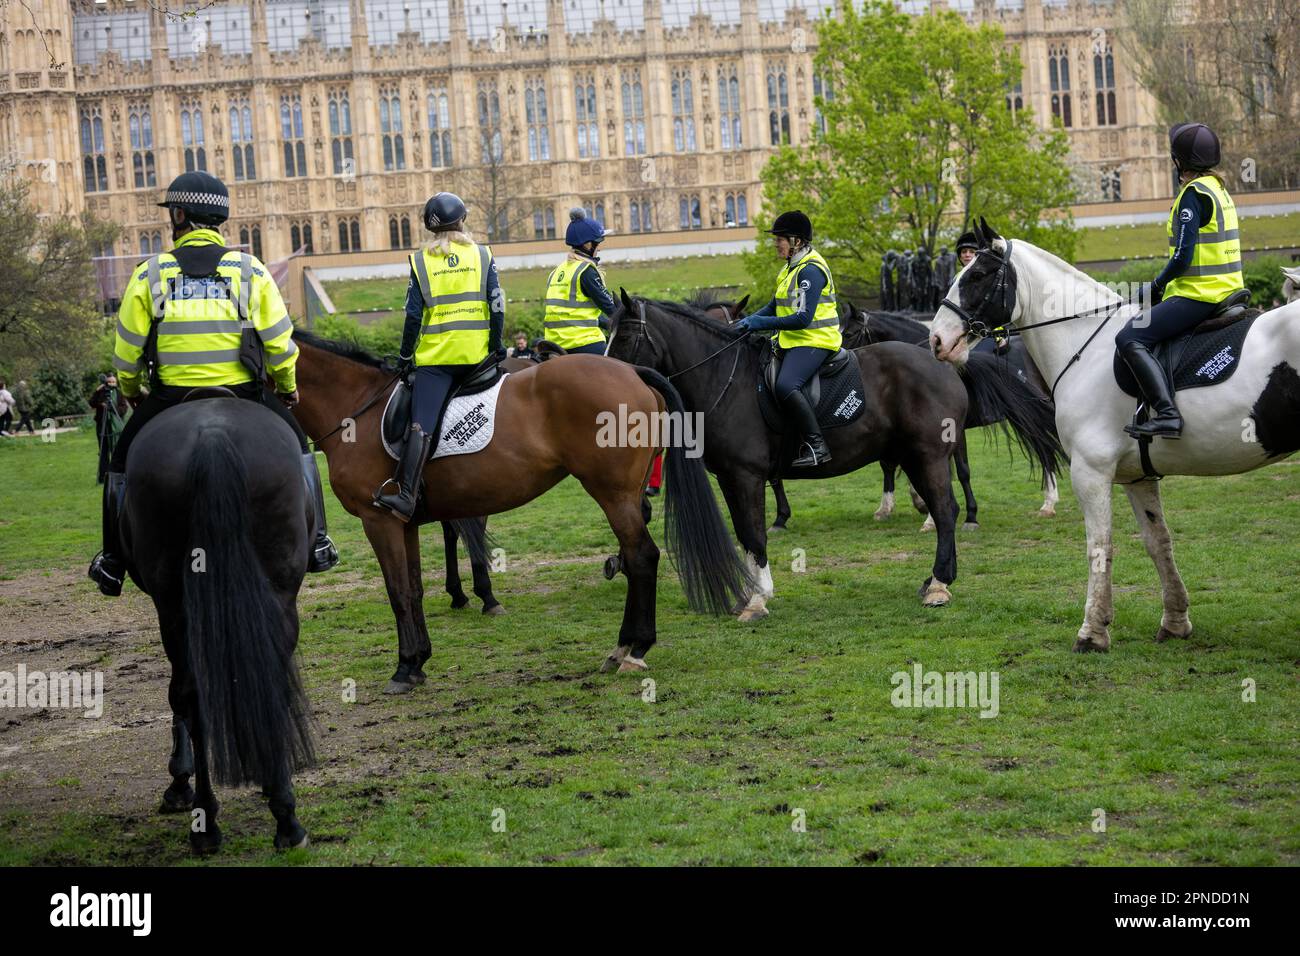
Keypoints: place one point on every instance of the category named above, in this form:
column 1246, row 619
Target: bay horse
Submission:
column 547, row 426
column 861, row 327
column 1068, row 322
column 914, row 407
column 216, row 526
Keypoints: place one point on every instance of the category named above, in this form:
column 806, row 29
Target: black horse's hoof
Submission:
column 206, row 843
column 295, row 839
column 459, row 601
column 613, row 564
column 177, row 801
column 493, row 610
column 395, row 687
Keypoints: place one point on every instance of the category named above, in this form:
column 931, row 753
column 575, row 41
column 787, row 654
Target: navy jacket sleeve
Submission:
column 593, row 286
column 414, row 317
column 1194, row 211
column 813, row 281
column 496, row 308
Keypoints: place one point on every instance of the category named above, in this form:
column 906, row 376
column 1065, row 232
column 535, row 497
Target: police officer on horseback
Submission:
column 967, row 247
column 805, row 313
column 201, row 315
column 455, row 315
column 1204, row 268
column 578, row 305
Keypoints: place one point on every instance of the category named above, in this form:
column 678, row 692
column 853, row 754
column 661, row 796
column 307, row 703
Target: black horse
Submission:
column 860, row 327
column 915, row 410
column 216, row 526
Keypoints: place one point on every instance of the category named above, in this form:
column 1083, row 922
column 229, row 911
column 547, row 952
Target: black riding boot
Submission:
column 407, row 477
column 804, row 418
column 108, row 569
column 323, row 553
column 1163, row 420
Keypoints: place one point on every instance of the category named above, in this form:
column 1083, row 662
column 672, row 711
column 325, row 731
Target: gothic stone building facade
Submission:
column 333, row 120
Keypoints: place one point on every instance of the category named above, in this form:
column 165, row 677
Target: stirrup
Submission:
column 109, row 585
column 324, row 555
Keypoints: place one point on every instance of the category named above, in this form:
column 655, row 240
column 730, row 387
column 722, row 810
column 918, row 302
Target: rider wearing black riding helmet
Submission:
column 1204, row 268
column 967, row 246
column 805, row 312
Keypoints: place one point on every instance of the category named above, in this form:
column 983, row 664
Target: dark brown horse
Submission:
column 548, row 425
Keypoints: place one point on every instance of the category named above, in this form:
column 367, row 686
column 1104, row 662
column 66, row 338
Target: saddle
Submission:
column 1207, row 355
column 397, row 413
column 835, row 391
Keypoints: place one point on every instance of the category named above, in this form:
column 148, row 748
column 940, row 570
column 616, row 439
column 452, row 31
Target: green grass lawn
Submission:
column 1148, row 238
column 751, row 724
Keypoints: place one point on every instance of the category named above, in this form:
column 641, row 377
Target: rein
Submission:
column 644, row 325
column 374, row 399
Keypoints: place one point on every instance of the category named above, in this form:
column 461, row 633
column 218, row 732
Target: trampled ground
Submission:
column 749, row 724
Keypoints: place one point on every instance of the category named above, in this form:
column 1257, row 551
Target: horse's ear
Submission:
column 740, row 306
column 627, row 302
column 989, row 232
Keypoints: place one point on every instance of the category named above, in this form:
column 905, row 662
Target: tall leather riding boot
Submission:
column 323, row 553
column 802, row 415
column 1164, row 421
column 407, row 477
column 108, row 569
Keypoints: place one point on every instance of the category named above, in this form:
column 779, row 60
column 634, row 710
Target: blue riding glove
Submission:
column 744, row 325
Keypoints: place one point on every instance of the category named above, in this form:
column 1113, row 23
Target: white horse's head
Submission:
column 1291, row 284
column 982, row 298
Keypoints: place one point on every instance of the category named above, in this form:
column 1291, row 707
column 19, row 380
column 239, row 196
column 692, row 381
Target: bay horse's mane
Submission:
column 348, row 350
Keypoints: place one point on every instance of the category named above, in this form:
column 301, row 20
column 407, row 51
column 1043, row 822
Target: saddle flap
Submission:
column 397, row 417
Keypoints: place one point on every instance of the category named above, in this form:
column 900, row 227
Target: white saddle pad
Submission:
column 469, row 422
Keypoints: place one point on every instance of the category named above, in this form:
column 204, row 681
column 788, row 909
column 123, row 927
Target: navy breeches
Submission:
column 430, row 386
column 797, row 367
column 592, row 348
column 1172, row 317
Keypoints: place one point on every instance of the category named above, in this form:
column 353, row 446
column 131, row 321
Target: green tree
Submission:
column 919, row 141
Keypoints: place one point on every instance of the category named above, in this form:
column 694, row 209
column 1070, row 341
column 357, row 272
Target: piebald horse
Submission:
column 1068, row 322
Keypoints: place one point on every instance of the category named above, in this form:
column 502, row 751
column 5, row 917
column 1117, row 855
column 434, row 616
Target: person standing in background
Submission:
column 6, row 410
column 110, row 407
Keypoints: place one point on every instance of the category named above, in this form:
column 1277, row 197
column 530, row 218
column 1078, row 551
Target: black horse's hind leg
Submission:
column 459, row 598
column 483, row 582
column 179, row 795
column 962, row 461
column 639, row 561
column 205, row 835
column 886, row 508
column 289, row 833
column 782, row 506
column 933, row 479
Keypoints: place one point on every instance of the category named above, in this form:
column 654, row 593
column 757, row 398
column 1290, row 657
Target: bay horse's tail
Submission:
column 698, row 544
column 255, row 716
column 999, row 397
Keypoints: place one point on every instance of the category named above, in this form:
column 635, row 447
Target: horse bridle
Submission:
column 974, row 324
column 643, row 327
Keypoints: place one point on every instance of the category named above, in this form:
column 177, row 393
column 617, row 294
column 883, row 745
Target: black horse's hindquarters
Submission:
column 157, row 507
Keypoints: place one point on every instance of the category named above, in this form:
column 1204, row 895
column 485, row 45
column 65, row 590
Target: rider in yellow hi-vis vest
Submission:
column 805, row 312
column 455, row 312
column 201, row 315
column 577, row 302
column 1204, row 268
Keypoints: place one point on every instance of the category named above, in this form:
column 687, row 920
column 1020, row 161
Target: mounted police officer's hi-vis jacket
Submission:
column 823, row 331
column 457, row 315
column 1215, row 271
column 572, row 316
column 199, row 316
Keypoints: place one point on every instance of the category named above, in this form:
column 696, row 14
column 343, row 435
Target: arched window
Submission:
column 439, row 128
column 340, row 120
column 390, row 128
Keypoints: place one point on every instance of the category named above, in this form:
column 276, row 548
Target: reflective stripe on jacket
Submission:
column 824, row 330
column 456, row 315
column 1215, row 272
column 200, row 320
column 572, row 318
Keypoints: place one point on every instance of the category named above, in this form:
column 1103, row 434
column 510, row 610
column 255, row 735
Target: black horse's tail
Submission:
column 478, row 540
column 712, row 574
column 254, row 714
column 999, row 397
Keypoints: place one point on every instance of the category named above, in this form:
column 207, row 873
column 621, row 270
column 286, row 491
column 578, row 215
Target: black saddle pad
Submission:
column 1194, row 360
column 397, row 413
column 835, row 391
